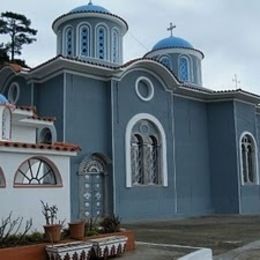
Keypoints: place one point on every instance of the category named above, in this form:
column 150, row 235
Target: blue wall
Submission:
column 246, row 121
column 192, row 157
column 88, row 123
column 147, row 202
column 48, row 99
column 223, row 157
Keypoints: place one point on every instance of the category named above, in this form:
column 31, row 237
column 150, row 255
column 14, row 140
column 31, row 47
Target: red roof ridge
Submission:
column 63, row 147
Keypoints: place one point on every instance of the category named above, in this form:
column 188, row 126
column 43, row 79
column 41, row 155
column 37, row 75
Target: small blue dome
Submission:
column 90, row 8
column 3, row 100
column 172, row 42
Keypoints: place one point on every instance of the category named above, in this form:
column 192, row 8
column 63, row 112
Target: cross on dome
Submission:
column 171, row 28
column 236, row 81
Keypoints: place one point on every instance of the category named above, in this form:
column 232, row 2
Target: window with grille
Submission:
column 101, row 43
column 145, row 154
column 69, row 42
column 37, row 171
column 248, row 160
column 84, row 40
column 184, row 69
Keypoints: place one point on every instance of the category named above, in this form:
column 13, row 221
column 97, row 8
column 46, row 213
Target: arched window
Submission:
column 69, row 42
column 84, row 33
column 146, row 154
column 37, row 171
column 115, row 46
column 166, row 61
column 184, row 69
column 45, row 136
column 2, row 179
column 6, row 124
column 249, row 166
column 101, row 49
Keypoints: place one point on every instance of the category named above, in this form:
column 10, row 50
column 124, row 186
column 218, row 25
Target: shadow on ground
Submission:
column 220, row 233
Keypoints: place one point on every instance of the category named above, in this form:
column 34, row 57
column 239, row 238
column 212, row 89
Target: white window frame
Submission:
column 255, row 159
column 163, row 150
column 189, row 63
column 65, row 51
column 106, row 41
column 78, row 45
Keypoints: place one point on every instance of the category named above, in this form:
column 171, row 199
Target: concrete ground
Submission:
column 222, row 234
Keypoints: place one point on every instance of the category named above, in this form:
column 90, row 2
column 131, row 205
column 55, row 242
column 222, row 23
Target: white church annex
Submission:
column 34, row 166
column 155, row 142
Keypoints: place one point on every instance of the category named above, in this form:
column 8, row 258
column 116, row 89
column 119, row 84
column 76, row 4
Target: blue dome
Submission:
column 90, row 8
column 172, row 42
column 3, row 100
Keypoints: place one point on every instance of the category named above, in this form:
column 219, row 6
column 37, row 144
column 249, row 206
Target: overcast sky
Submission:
column 227, row 31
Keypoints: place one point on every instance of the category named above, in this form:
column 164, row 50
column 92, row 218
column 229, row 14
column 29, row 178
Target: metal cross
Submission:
column 237, row 82
column 171, row 28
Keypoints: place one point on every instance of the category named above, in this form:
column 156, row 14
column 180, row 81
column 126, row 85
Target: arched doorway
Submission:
column 92, row 188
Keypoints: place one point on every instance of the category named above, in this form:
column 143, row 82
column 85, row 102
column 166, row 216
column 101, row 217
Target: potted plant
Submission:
column 77, row 229
column 52, row 230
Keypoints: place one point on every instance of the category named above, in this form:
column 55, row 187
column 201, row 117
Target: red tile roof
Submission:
column 61, row 147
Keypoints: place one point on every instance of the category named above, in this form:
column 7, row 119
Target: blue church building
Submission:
column 155, row 142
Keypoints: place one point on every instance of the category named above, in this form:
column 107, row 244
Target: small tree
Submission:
column 17, row 26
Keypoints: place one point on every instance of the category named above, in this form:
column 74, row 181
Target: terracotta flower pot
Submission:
column 77, row 230
column 53, row 232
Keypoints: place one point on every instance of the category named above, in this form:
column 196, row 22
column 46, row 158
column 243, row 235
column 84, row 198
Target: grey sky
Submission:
column 227, row 31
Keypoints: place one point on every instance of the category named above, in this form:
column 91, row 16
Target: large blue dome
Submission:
column 90, row 8
column 172, row 42
column 3, row 100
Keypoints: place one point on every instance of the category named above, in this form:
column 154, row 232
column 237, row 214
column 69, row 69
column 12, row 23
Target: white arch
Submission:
column 78, row 38
column 118, row 49
column 189, row 64
column 64, row 44
column 255, row 159
column 129, row 128
column 106, row 41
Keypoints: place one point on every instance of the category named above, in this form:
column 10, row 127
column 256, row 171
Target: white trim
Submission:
column 113, row 147
column 150, row 86
column 255, row 159
column 118, row 47
column 78, row 40
column 85, row 15
column 64, row 41
column 165, row 86
column 10, row 94
column 129, row 128
column 165, row 56
column 183, row 51
column 64, row 105
column 106, row 41
column 189, row 67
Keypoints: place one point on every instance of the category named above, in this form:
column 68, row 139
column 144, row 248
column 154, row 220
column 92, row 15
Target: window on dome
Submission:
column 84, row 41
column 115, row 46
column 69, row 42
column 37, row 172
column 166, row 61
column 2, row 179
column 101, row 43
column 184, row 69
column 248, row 150
column 6, row 124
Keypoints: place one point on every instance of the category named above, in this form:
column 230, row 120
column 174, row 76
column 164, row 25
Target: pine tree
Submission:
column 17, row 26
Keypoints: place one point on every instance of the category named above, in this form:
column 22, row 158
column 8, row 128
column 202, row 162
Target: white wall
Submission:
column 25, row 202
column 23, row 134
